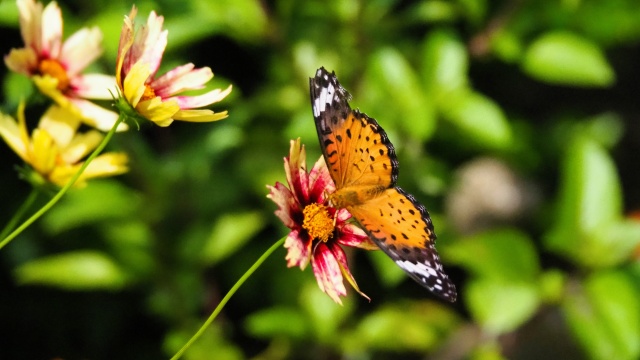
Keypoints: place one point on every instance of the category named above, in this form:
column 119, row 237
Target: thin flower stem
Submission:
column 226, row 298
column 19, row 214
column 64, row 189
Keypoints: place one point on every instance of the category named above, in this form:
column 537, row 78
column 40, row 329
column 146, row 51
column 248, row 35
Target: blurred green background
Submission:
column 515, row 122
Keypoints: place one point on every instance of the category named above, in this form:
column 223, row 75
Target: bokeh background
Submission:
column 515, row 122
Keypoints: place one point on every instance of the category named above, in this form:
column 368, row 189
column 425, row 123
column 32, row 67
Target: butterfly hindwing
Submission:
column 402, row 228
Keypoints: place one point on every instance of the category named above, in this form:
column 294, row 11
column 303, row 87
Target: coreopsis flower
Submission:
column 317, row 230
column 55, row 149
column 56, row 66
column 156, row 98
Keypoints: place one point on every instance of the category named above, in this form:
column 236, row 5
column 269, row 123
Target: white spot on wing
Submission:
column 417, row 268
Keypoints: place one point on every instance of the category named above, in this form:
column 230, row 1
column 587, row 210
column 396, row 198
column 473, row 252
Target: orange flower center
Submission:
column 148, row 93
column 317, row 222
column 54, row 69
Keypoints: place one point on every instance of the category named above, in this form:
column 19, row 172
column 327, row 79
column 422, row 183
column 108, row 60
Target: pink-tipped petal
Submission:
column 51, row 30
column 190, row 102
column 286, row 202
column 297, row 250
column 352, row 235
column 341, row 259
column 328, row 273
column 150, row 42
column 81, row 49
column 94, row 86
column 163, row 82
column 320, row 182
column 175, row 82
column 96, row 116
column 31, row 23
column 123, row 64
column 295, row 167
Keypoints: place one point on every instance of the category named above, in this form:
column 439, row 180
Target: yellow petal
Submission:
column 60, row 123
column 134, row 82
column 44, row 152
column 22, row 61
column 200, row 115
column 158, row 111
column 81, row 146
column 10, row 132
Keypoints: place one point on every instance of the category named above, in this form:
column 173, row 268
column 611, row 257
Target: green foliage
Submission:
column 129, row 267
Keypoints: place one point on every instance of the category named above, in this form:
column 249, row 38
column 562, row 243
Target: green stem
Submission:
column 19, row 214
column 64, row 189
column 226, row 298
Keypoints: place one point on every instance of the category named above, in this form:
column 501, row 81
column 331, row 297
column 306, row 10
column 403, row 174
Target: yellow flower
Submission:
column 139, row 55
column 55, row 148
column 56, row 66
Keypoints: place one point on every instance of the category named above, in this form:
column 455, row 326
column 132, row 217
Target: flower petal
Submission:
column 180, row 79
column 43, row 153
column 149, row 43
column 213, row 96
column 297, row 249
column 60, row 123
column 341, row 258
column 158, row 111
column 320, row 182
column 134, row 82
column 126, row 41
column 80, row 50
column 352, row 235
column 287, row 204
column 94, row 86
column 31, row 23
column 23, row 61
column 96, row 116
column 200, row 115
column 108, row 164
column 51, row 31
column 10, row 133
column 328, row 273
column 81, row 146
column 295, row 166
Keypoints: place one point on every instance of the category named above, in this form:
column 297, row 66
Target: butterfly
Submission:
column 364, row 167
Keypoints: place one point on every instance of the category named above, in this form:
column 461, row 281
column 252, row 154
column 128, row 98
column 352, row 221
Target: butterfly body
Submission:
column 363, row 165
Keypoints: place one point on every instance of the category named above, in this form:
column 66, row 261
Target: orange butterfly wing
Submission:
column 402, row 228
column 364, row 167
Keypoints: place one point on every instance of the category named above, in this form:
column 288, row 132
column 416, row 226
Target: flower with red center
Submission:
column 56, row 66
column 317, row 229
column 139, row 55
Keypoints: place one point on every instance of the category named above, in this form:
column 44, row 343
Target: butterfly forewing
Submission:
column 355, row 147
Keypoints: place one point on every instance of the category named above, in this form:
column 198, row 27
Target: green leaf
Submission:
column 605, row 317
column 229, row 233
column 424, row 326
column 394, row 94
column 499, row 306
column 568, row 59
column 501, row 255
column 79, row 270
column 589, row 227
column 326, row 316
column 444, row 65
column 277, row 322
column 100, row 200
column 479, row 119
